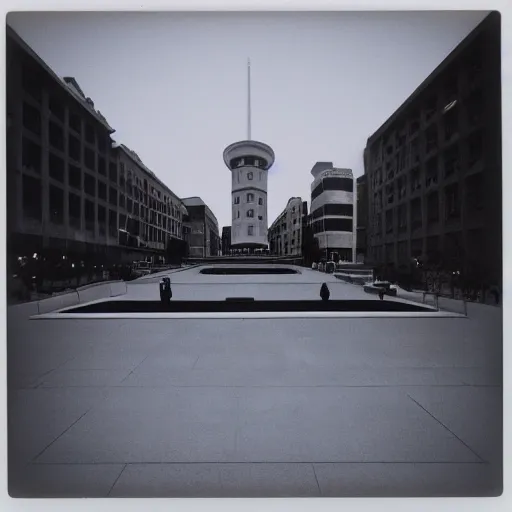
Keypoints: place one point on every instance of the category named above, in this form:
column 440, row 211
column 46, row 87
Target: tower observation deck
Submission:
column 249, row 162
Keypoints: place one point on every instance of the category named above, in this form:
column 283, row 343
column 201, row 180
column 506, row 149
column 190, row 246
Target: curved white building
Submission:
column 249, row 162
column 333, row 210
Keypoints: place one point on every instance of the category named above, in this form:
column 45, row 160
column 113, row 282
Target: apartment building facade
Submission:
column 70, row 189
column 226, row 240
column 433, row 168
column 333, row 211
column 362, row 218
column 286, row 232
column 202, row 228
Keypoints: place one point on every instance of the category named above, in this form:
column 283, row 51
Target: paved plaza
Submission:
column 246, row 407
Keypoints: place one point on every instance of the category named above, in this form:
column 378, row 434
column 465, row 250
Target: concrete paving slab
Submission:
column 82, row 378
column 451, row 407
column 64, row 480
column 407, row 480
column 147, row 425
column 257, row 425
column 38, row 417
column 150, row 375
column 250, row 390
column 340, row 425
column 216, row 481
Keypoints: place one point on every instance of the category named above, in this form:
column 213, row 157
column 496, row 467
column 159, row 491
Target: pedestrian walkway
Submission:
column 282, row 407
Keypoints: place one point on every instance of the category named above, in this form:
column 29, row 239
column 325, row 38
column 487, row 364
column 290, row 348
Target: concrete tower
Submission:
column 249, row 162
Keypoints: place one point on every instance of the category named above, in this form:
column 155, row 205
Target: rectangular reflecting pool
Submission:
column 247, row 306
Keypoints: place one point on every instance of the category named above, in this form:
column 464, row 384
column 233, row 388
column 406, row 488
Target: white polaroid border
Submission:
column 297, row 505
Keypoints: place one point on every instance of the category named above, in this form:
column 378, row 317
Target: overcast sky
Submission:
column 174, row 85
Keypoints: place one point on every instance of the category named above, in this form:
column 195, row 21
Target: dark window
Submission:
column 390, row 193
column 89, row 215
column 451, row 122
column 56, row 167
column 250, row 197
column 89, row 184
column 476, row 147
column 389, row 221
column 430, row 108
column 74, row 148
column 75, row 210
column 402, row 217
column 431, row 139
column 452, row 201
column 102, row 143
column 414, row 123
column 74, row 176
column 90, row 136
column 56, row 135
column 415, row 179
column 332, row 224
column 416, row 217
column 31, row 118
column 75, row 122
column 475, row 195
column 433, row 208
column 129, row 205
column 451, row 161
column 136, row 211
column 432, row 172
column 31, row 155
column 250, row 213
column 112, row 223
column 451, row 87
column 345, row 184
column 250, row 230
column 249, row 161
column 346, row 210
column 250, row 176
column 102, row 166
column 89, row 159
column 414, row 151
column 260, row 201
column 475, row 107
column 102, row 190
column 56, row 107
column 122, row 203
column 102, row 219
column 31, row 82
column 317, row 191
column 112, row 196
column 122, row 221
column 56, row 205
column 32, row 197
column 237, row 200
column 112, row 174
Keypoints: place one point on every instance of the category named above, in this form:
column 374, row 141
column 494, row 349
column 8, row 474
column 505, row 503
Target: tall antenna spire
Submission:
column 248, row 99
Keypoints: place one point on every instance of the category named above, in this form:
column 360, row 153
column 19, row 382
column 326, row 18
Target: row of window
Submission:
column 443, row 103
column 32, row 159
column 345, row 184
column 249, row 198
column 32, row 118
column 32, row 206
column 452, row 206
column 333, row 224
column 346, row 210
column 245, row 161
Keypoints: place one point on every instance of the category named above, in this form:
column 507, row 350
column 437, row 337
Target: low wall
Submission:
column 80, row 295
